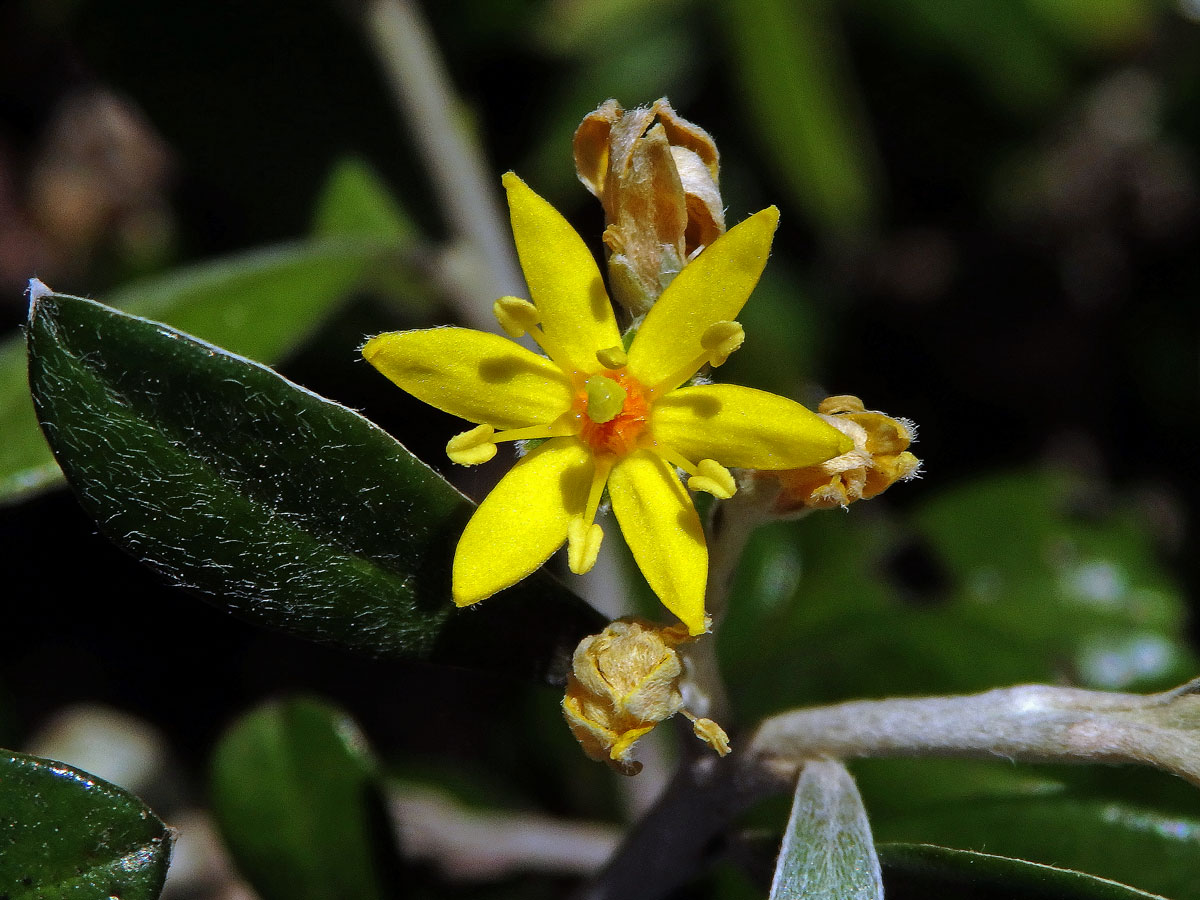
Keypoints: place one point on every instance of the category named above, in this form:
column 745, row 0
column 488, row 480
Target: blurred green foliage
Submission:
column 990, row 213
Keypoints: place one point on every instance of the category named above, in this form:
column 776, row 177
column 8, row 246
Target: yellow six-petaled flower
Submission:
column 612, row 418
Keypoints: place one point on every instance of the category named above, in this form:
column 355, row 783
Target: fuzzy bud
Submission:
column 623, row 682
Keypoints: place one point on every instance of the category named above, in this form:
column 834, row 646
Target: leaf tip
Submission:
column 37, row 290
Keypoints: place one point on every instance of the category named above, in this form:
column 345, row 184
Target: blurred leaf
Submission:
column 789, row 333
column 998, row 41
column 1100, row 23
column 294, row 791
column 356, row 203
column 663, row 61
column 271, row 502
column 1137, row 827
column 64, row 833
column 941, row 868
column 993, row 583
column 827, row 852
column 26, row 464
column 804, row 107
column 261, row 304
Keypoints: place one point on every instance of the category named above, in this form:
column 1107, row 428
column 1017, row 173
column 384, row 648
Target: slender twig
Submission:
column 476, row 845
column 672, row 843
column 456, row 163
column 1034, row 723
column 729, row 528
column 1031, row 723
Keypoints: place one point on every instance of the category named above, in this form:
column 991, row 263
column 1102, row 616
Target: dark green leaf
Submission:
column 66, row 834
column 276, row 504
column 940, row 869
column 1135, row 826
column 827, row 852
column 262, row 304
column 294, row 793
column 804, row 107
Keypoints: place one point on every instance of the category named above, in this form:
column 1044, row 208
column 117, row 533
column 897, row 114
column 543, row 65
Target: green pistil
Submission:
column 605, row 399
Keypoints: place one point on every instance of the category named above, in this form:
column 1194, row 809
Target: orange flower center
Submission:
column 594, row 400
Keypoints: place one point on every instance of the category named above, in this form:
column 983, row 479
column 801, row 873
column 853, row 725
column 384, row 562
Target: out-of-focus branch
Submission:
column 474, row 845
column 1032, row 723
column 456, row 163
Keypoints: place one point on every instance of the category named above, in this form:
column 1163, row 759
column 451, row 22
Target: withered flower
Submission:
column 879, row 459
column 656, row 175
column 623, row 682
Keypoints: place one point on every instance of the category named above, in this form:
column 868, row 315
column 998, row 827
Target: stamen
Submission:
column 560, row 428
column 583, row 534
column 720, row 339
column 613, row 357
column 520, row 317
column 713, row 478
column 603, row 466
column 675, row 458
column 472, row 448
column 583, row 545
column 709, row 732
column 516, row 316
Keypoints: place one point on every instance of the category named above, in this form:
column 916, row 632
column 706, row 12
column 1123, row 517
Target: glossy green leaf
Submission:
column 356, row 203
column 294, row 791
column 261, row 304
column 66, row 834
column 827, row 852
column 271, row 502
column 804, row 108
column 941, row 869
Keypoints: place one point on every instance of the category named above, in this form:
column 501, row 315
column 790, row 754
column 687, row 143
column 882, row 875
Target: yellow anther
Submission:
column 710, row 732
column 516, row 316
column 713, row 478
column 720, row 340
column 613, row 357
column 583, row 545
column 605, row 399
column 474, row 447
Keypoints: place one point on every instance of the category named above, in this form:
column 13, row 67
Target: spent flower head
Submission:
column 879, row 459
column 612, row 419
column 656, row 176
column 623, row 682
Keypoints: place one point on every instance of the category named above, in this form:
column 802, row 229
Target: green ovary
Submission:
column 605, row 399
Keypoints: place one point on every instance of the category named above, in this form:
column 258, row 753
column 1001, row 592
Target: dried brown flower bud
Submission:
column 656, row 175
column 879, row 459
column 623, row 682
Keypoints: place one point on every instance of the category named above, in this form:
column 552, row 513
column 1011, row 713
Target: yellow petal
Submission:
column 663, row 531
column 711, row 288
column 739, row 426
column 564, row 281
column 481, row 377
column 522, row 521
